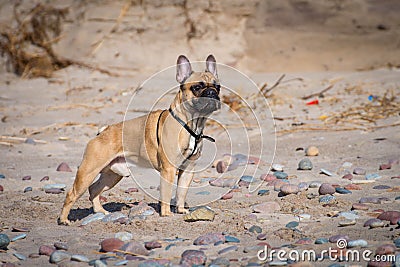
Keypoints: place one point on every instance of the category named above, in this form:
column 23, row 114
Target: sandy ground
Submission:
column 64, row 112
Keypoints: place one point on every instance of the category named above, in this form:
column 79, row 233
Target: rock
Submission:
column 278, row 184
column 320, row 241
column 392, row 216
column 288, row 189
column 58, row 256
column 372, row 176
column 222, row 262
column 202, row 213
column 54, row 186
column 304, row 241
column 210, row 238
column 26, row 178
column 231, row 239
column 326, row 172
column 373, row 200
column 203, row 193
column 312, row 151
column 193, row 257
column 46, row 250
column 381, row 187
column 359, row 171
column 335, row 238
column 221, row 167
column 357, row 243
column 374, row 223
column 247, row 178
column 54, row 191
column 4, row 241
column 131, row 190
column 152, row 245
column 359, row 206
column 315, row 184
column 304, row 216
column 326, row 189
column 268, row 177
column 221, row 182
column 124, row 236
column 112, row 217
column 349, row 215
column 252, row 249
column 136, row 248
column 228, row 195
column 327, row 199
column 347, row 223
column 363, row 181
column 92, row 217
column 63, row 167
column 18, row 237
column 34, row 256
column 266, row 207
column 79, row 258
column 255, row 229
column 312, row 195
column 143, row 209
column 30, row 141
column 45, row 178
column 352, row 187
column 342, row 191
column 386, row 249
column 348, row 176
column 262, row 237
column 277, row 167
column 99, row 263
column 1, row 188
column 280, row 175
column 397, row 242
column 305, row 164
column 9, row 264
column 263, row 192
column 228, row 249
column 292, row 225
column 111, row 244
column 20, row 229
column 20, row 256
column 120, row 263
column 27, row 189
column 2, row 176
column 303, row 186
column 385, row 166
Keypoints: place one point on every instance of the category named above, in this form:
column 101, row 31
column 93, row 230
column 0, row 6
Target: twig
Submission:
column 264, row 90
column 319, row 93
column 5, row 144
column 73, row 106
column 20, row 139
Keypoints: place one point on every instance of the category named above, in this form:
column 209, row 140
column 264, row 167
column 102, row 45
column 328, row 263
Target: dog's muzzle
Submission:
column 208, row 101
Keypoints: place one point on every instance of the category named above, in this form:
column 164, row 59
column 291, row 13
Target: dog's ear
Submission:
column 211, row 65
column 183, row 69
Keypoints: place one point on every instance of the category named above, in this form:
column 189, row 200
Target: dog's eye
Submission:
column 196, row 87
column 218, row 87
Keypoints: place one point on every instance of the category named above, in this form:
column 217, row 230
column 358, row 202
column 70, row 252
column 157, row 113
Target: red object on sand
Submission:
column 312, row 102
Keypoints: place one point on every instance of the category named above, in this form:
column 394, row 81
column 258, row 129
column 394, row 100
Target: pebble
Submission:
column 136, row 248
column 111, row 217
column 263, row 192
column 111, row 244
column 305, row 164
column 54, row 186
column 255, row 229
column 392, row 216
column 326, row 172
column 315, row 184
column 292, row 225
column 63, row 167
column 27, row 189
column 46, row 250
column 397, row 242
column 131, row 190
column 352, row 187
column 381, row 187
column 266, row 207
column 341, row 190
column 326, row 189
column 262, row 237
column 231, row 239
column 228, row 195
column 221, row 166
column 268, row 177
column 1, row 188
column 193, row 258
column 385, row 166
column 321, row 240
column 335, row 238
column 347, row 223
column 124, row 236
column 357, row 243
column 372, row 176
column 120, row 263
column 202, row 213
column 327, row 199
column 152, row 245
column 359, row 171
column 251, row 249
column 98, row 263
column 359, row 206
column 277, row 167
column 349, row 215
column 222, row 262
column 374, row 223
column 228, row 249
column 2, row 176
column 18, row 237
column 80, row 258
column 30, row 141
column 54, row 191
column 45, row 178
column 278, row 184
column 304, row 241
column 203, row 193
column 4, row 241
column 20, row 256
column 304, row 216
column 58, row 256
column 348, row 176
column 92, row 217
column 26, row 178
column 386, row 249
column 280, row 175
column 288, row 189
column 221, row 182
column 209, row 238
column 34, row 256
column 303, row 186
column 312, row 151
column 312, row 195
column 373, row 200
column 247, row 178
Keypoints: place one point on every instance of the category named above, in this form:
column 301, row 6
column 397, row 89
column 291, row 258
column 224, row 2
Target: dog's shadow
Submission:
column 79, row 213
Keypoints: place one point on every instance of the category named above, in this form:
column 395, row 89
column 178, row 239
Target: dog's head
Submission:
column 200, row 90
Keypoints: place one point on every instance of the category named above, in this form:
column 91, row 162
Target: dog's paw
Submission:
column 167, row 214
column 64, row 222
column 183, row 211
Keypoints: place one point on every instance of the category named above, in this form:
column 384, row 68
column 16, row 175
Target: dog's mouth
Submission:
column 206, row 105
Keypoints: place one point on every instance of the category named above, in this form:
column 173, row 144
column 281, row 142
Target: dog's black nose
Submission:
column 211, row 93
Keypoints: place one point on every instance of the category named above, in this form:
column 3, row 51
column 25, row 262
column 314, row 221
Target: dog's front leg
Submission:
column 166, row 183
column 185, row 178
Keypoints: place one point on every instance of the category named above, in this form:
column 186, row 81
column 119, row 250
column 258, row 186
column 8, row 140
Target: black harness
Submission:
column 197, row 137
